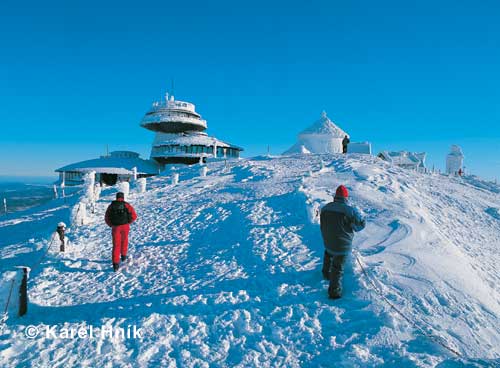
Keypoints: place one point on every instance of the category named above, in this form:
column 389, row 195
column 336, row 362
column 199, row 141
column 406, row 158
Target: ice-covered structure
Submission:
column 180, row 138
column 359, row 147
column 405, row 159
column 321, row 137
column 454, row 160
column 110, row 169
column 180, row 134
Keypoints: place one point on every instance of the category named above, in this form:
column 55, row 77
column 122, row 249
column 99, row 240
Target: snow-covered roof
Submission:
column 404, row 158
column 325, row 126
column 119, row 162
column 189, row 139
column 297, row 148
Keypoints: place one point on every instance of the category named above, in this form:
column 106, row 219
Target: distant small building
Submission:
column 454, row 160
column 117, row 166
column 321, row 137
column 360, row 147
column 405, row 159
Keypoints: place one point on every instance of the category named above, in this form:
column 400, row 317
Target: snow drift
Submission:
column 225, row 271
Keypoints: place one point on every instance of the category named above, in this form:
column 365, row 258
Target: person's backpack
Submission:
column 119, row 214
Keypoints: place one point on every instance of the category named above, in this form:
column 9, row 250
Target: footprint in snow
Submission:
column 493, row 212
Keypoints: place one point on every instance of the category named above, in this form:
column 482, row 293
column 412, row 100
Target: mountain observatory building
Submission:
column 454, row 160
column 180, row 135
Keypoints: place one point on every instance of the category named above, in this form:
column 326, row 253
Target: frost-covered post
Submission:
column 141, row 184
column 215, row 148
column 89, row 183
column 5, row 205
column 124, row 187
column 134, row 173
column 97, row 192
column 89, row 195
column 23, row 293
column 55, row 192
column 15, row 293
column 175, row 178
column 203, row 171
column 63, row 184
column 79, row 214
column 313, row 211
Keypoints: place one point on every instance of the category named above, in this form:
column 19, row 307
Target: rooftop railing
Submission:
column 173, row 105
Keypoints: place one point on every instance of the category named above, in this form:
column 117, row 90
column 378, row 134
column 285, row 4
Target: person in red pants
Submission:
column 119, row 216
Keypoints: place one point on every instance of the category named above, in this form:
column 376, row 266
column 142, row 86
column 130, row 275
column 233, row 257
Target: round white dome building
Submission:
column 321, row 137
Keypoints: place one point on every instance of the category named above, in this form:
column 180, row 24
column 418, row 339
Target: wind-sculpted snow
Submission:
column 225, row 271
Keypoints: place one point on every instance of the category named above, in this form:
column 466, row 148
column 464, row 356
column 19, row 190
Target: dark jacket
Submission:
column 338, row 222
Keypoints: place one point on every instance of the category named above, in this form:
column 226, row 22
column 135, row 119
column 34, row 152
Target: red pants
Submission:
column 120, row 241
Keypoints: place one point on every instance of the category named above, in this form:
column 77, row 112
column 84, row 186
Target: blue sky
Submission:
column 417, row 75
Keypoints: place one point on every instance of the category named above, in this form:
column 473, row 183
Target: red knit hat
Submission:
column 341, row 192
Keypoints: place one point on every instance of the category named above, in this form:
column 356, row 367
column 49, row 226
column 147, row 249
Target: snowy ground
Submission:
column 225, row 271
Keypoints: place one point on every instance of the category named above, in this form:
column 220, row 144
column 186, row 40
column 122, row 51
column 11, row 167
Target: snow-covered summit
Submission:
column 323, row 136
column 226, row 272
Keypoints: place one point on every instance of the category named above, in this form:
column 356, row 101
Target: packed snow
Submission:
column 225, row 270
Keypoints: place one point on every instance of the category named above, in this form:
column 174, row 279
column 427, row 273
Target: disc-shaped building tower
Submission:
column 180, row 134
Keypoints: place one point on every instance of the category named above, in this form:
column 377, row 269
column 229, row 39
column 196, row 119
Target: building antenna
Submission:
column 172, row 87
column 107, row 150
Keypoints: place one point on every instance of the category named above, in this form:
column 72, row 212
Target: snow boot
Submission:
column 336, row 273
column 116, row 266
column 326, row 265
column 334, row 293
column 124, row 258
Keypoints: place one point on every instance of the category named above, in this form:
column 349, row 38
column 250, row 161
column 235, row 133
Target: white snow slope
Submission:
column 226, row 272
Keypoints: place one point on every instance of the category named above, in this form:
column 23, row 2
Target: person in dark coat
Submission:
column 119, row 216
column 345, row 143
column 338, row 222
